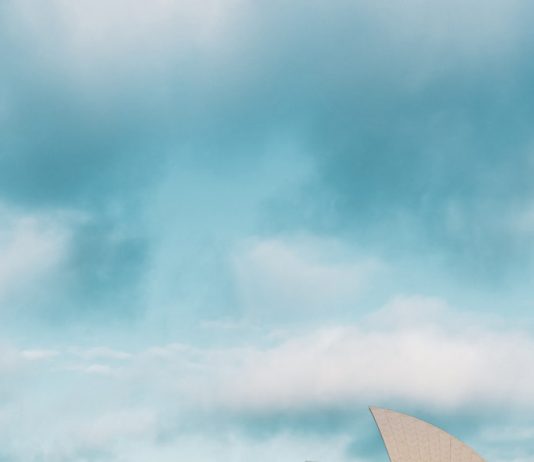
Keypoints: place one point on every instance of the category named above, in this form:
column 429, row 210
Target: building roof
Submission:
column 408, row 439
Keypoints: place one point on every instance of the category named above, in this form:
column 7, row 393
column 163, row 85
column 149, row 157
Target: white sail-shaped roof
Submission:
column 408, row 439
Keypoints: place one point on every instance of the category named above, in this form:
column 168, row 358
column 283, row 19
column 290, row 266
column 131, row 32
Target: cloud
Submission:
column 63, row 266
column 102, row 352
column 32, row 247
column 89, row 34
column 38, row 355
column 450, row 367
column 95, row 369
column 9, row 359
column 404, row 123
column 439, row 359
column 302, row 277
column 419, row 364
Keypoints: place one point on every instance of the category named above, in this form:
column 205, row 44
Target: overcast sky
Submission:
column 229, row 226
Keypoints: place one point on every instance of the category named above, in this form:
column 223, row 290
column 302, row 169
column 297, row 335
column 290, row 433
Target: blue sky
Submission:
column 228, row 227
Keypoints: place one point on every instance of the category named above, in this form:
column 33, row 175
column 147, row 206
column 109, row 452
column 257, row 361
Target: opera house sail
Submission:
column 408, row 439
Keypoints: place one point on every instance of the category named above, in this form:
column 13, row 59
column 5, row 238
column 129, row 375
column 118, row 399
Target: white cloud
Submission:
column 276, row 277
column 416, row 351
column 86, row 35
column 9, row 359
column 31, row 248
column 86, row 38
column 96, row 369
column 109, row 427
column 102, row 353
column 424, row 363
column 39, row 354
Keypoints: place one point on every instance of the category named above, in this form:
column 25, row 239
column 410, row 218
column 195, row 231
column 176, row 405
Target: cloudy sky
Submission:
column 229, row 226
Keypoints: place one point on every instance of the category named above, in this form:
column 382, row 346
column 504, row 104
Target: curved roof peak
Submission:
column 408, row 439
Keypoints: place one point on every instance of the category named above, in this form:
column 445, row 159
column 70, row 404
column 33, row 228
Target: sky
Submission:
column 228, row 227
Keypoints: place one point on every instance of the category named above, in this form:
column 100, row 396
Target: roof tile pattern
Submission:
column 408, row 439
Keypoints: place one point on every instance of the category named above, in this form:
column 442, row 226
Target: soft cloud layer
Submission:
column 436, row 359
column 208, row 212
column 308, row 277
column 169, row 398
column 32, row 248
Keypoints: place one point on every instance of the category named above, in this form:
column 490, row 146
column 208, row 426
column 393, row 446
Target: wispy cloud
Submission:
column 302, row 277
column 32, row 247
